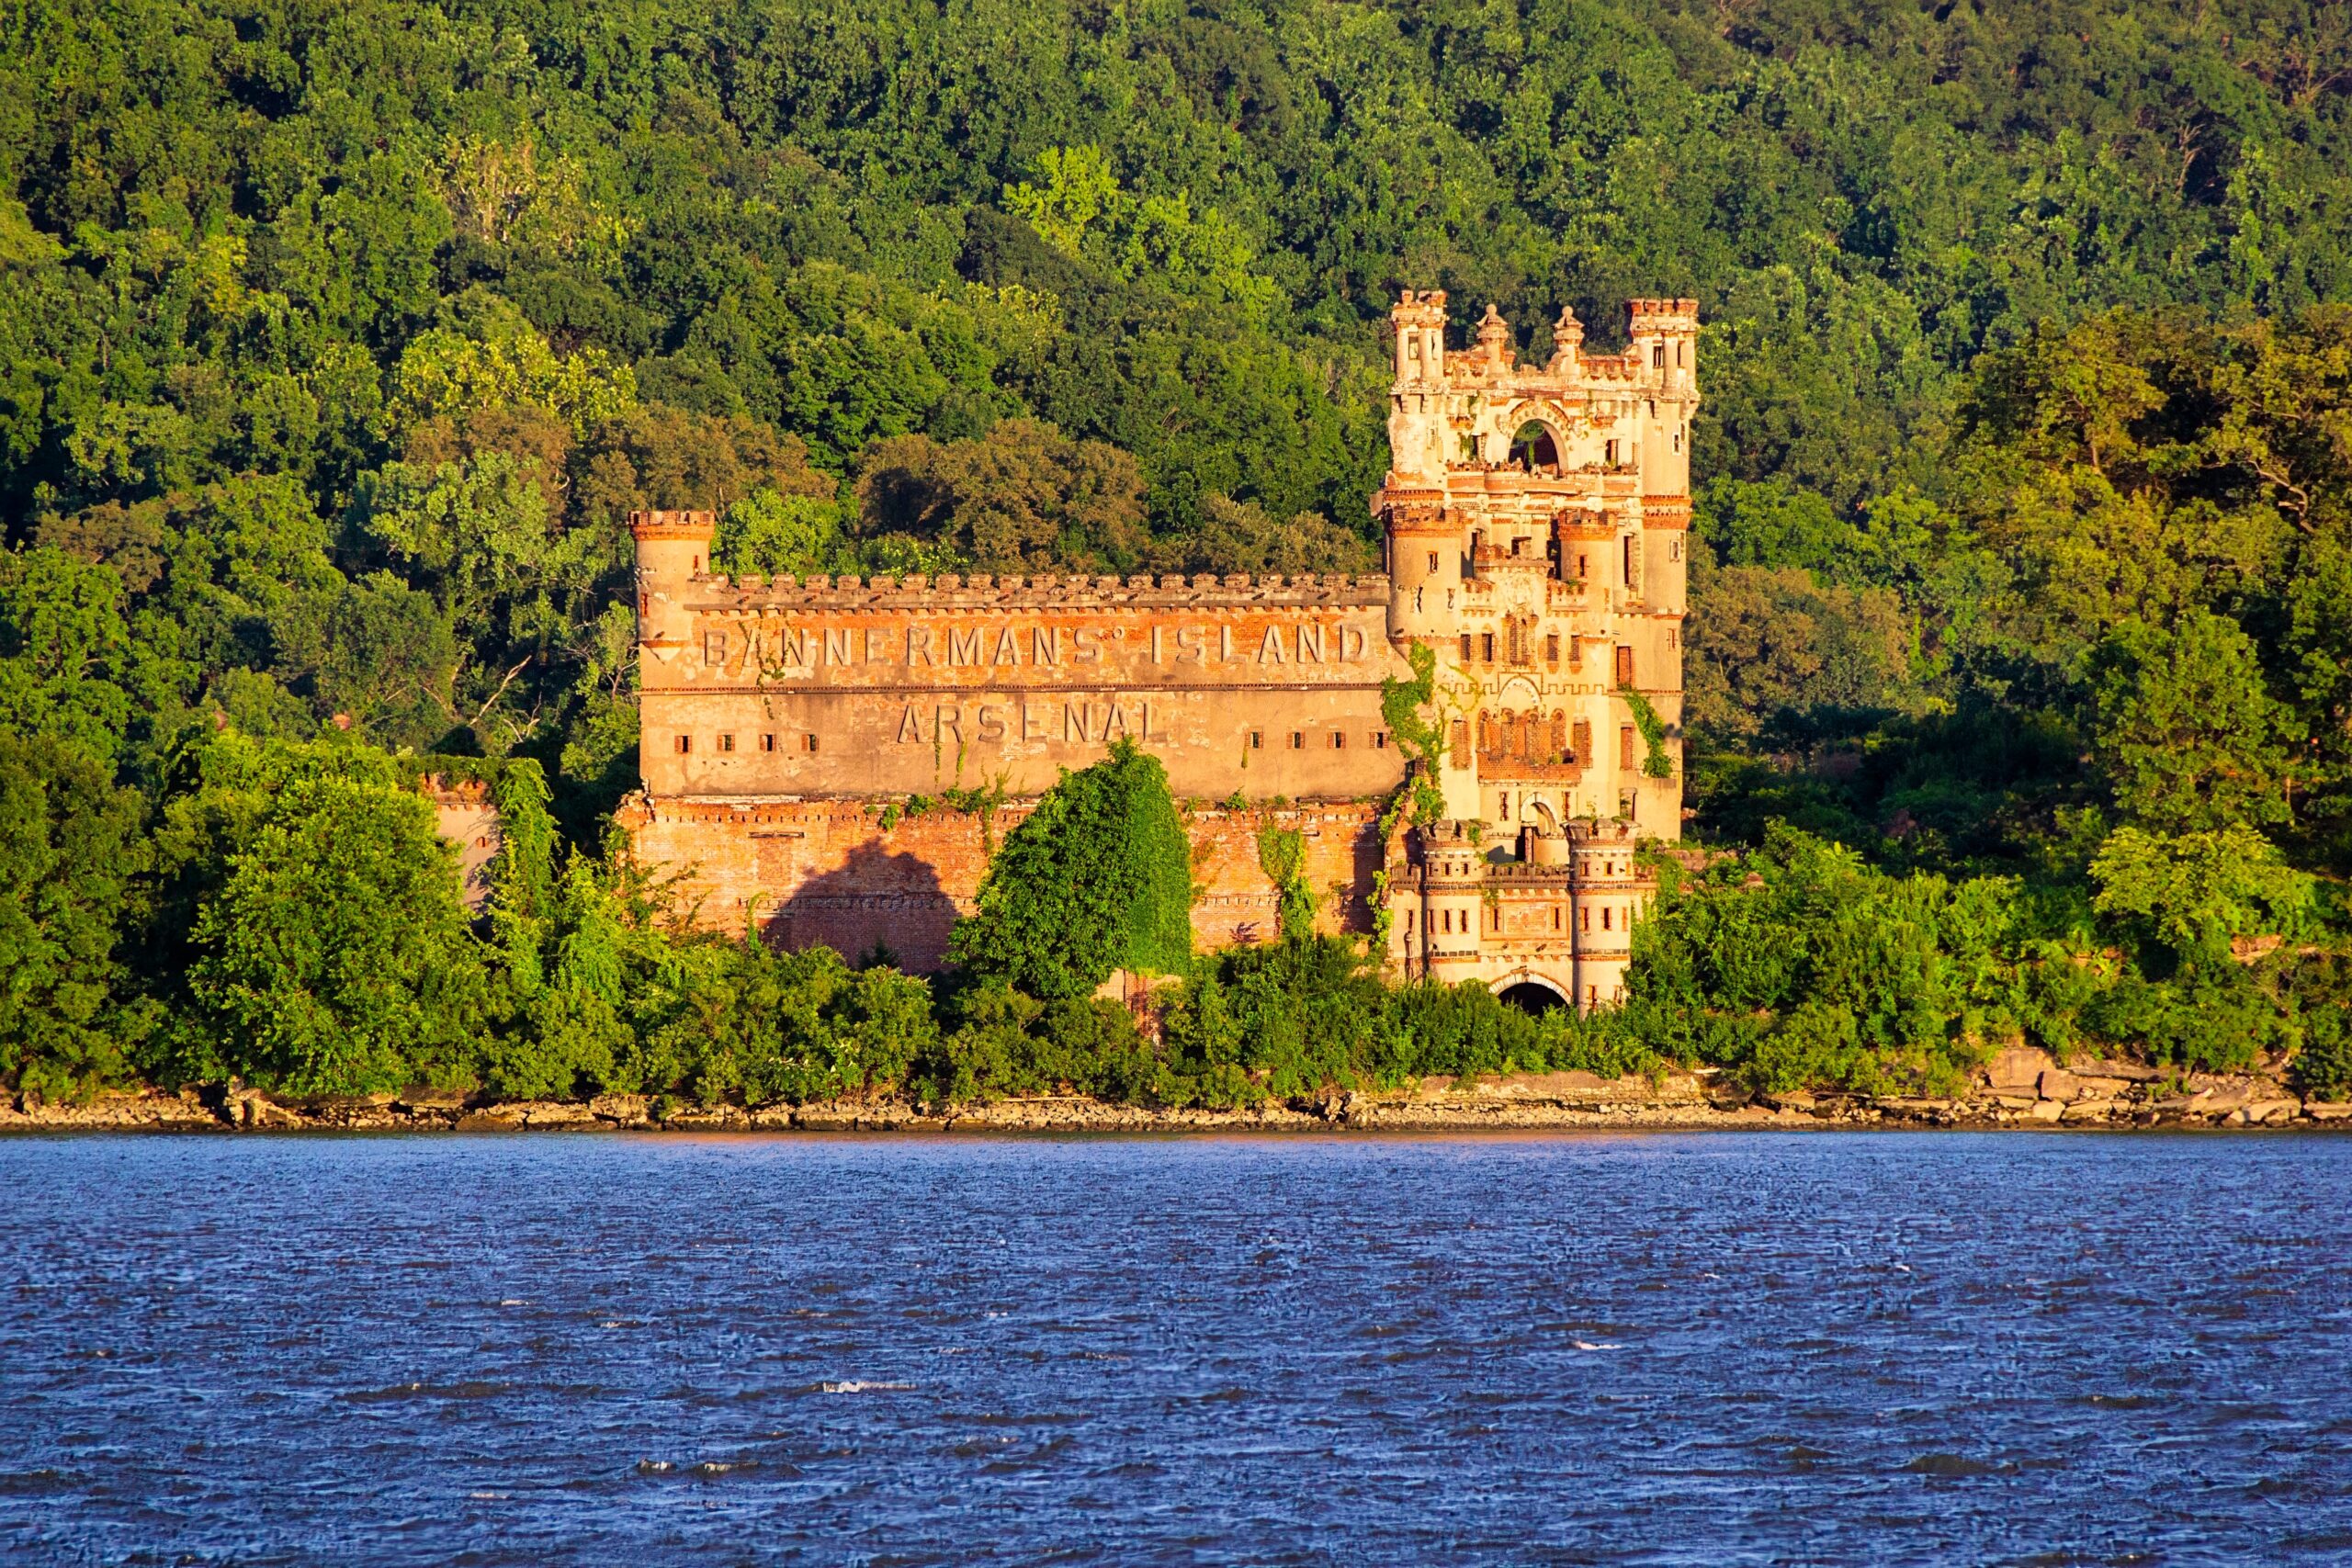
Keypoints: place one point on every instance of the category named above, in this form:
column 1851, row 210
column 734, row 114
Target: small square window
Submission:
column 685, row 744
column 1380, row 740
column 767, row 742
column 1299, row 741
column 727, row 743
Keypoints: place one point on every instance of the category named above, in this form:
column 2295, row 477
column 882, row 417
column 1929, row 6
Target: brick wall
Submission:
column 828, row 873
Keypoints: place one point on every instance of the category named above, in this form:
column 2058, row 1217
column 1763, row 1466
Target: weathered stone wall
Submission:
column 893, row 687
column 467, row 820
column 830, row 873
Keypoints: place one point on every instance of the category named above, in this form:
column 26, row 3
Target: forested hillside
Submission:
column 335, row 342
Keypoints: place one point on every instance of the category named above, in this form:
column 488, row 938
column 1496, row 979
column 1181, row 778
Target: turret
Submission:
column 1417, row 413
column 673, row 550
column 1424, row 564
column 1453, row 913
column 1665, row 351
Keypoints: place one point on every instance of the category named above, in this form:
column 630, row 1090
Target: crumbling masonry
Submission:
column 1535, row 516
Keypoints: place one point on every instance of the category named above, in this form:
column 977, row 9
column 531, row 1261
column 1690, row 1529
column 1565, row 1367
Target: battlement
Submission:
column 951, row 592
column 662, row 524
column 1665, row 314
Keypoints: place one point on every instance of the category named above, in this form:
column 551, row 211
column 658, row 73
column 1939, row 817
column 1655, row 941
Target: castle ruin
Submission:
column 1535, row 519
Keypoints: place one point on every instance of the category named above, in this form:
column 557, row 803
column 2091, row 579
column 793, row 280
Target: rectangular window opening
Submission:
column 1257, row 739
column 685, row 744
column 812, row 741
column 726, row 742
column 1299, row 741
column 767, row 742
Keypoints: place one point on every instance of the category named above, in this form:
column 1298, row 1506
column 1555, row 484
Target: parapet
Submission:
column 915, row 591
column 1665, row 313
column 682, row 525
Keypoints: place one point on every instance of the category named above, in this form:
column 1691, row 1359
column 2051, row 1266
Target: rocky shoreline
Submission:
column 2020, row 1088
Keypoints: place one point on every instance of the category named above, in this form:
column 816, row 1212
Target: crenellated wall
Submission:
column 895, row 686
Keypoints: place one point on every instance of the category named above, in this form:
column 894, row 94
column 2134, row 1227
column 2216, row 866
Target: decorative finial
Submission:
column 1494, row 337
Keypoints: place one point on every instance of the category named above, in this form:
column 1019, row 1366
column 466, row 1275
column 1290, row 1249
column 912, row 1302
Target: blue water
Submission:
column 1658, row 1349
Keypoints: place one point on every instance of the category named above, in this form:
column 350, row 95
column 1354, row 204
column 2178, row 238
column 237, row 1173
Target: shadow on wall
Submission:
column 873, row 897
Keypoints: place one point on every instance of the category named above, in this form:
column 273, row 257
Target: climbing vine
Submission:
column 983, row 802
column 1402, row 706
column 1281, row 855
column 1657, row 764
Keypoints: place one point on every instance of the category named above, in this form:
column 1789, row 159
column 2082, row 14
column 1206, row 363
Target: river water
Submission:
column 1707, row 1349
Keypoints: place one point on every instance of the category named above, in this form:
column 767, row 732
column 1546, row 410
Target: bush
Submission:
column 334, row 958
column 1097, row 878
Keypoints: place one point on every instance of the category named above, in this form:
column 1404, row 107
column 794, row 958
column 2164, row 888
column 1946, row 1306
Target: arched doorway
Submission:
column 1533, row 448
column 1532, row 994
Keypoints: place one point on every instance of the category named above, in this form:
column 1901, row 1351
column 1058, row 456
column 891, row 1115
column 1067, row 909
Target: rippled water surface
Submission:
column 1707, row 1349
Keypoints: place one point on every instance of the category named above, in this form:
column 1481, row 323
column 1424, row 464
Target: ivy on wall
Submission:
column 1403, row 707
column 1281, row 855
column 1657, row 764
column 1097, row 878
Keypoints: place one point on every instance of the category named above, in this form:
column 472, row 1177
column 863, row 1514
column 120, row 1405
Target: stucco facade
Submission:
column 1535, row 519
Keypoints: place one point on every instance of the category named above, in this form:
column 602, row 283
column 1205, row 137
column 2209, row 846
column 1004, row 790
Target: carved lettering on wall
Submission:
column 1094, row 719
column 762, row 646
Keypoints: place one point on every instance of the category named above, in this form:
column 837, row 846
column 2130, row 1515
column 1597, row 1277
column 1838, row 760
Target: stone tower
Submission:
column 1537, row 519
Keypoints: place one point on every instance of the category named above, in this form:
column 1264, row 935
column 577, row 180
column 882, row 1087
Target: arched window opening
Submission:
column 1533, row 448
column 1533, row 999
